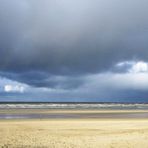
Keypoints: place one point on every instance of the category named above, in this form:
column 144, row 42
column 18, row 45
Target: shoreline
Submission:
column 8, row 114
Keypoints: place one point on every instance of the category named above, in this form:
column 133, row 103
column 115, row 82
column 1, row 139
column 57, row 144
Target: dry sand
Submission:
column 74, row 133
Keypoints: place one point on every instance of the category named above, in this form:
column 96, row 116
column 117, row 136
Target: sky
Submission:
column 74, row 50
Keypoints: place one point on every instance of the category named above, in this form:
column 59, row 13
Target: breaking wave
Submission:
column 72, row 106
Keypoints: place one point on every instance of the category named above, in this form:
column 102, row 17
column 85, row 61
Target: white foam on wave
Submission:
column 74, row 106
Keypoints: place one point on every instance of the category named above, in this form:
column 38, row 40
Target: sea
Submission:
column 41, row 110
column 74, row 105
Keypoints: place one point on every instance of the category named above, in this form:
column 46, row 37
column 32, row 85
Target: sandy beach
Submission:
column 74, row 133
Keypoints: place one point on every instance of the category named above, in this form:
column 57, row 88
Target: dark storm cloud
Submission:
column 40, row 40
column 43, row 79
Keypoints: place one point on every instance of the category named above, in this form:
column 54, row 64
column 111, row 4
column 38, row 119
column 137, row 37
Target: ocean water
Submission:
column 99, row 106
column 23, row 110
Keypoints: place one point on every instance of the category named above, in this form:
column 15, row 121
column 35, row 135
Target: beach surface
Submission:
column 97, row 132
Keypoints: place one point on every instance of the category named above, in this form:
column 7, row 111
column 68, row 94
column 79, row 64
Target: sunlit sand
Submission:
column 74, row 133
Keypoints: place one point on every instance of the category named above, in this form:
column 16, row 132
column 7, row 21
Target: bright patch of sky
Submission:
column 10, row 86
column 14, row 88
column 134, row 67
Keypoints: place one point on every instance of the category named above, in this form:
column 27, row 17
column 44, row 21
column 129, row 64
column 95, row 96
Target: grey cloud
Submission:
column 43, row 79
column 69, row 38
column 107, row 87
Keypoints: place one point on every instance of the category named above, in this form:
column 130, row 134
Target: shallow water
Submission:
column 117, row 115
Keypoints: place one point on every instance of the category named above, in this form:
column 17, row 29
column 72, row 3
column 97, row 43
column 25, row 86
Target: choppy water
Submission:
column 120, row 106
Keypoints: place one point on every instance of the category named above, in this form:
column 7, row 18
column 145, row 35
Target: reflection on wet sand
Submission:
column 43, row 114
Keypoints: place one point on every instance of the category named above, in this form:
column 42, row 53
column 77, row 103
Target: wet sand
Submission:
column 88, row 132
column 72, row 114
